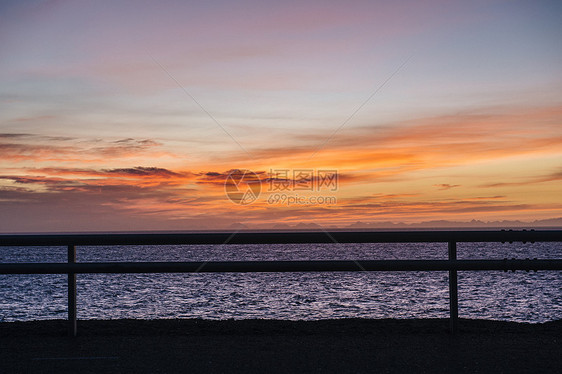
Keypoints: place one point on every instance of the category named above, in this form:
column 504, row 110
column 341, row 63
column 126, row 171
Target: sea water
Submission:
column 511, row 296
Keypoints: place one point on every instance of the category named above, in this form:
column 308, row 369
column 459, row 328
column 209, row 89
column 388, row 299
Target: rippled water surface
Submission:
column 520, row 296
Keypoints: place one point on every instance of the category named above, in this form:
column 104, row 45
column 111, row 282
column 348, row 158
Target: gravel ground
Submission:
column 260, row 346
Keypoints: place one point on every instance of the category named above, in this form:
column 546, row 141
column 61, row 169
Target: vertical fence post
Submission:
column 71, row 293
column 453, row 291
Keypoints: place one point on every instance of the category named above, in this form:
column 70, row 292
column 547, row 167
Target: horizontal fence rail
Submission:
column 299, row 237
column 278, row 266
column 452, row 264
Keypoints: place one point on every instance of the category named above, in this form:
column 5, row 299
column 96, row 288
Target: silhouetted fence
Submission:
column 452, row 264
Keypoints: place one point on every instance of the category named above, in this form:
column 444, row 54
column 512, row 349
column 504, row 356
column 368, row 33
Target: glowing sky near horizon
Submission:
column 129, row 115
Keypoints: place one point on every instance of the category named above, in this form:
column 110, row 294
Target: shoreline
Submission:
column 187, row 326
column 340, row 345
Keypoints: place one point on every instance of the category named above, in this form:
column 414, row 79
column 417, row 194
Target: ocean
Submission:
column 509, row 296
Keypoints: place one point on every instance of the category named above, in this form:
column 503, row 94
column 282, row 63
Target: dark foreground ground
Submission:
column 261, row 346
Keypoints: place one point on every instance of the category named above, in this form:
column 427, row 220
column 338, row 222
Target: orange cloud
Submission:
column 446, row 186
column 430, row 142
column 400, row 156
column 556, row 176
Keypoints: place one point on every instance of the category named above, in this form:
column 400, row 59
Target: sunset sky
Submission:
column 130, row 115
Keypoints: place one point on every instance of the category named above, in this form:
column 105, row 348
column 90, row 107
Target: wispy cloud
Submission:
column 16, row 147
column 434, row 142
column 446, row 186
column 555, row 176
column 141, row 171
